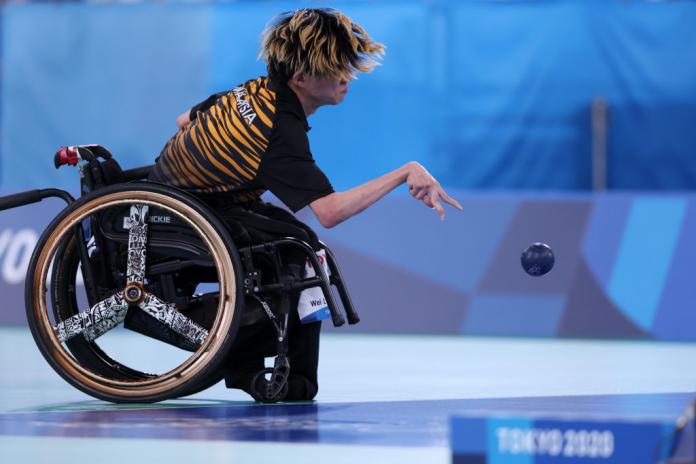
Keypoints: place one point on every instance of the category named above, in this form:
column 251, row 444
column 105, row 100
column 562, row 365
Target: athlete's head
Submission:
column 322, row 46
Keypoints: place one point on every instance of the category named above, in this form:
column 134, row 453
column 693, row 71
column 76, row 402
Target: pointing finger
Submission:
column 450, row 200
column 438, row 207
column 453, row 202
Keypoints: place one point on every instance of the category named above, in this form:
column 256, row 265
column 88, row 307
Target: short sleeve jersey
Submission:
column 244, row 142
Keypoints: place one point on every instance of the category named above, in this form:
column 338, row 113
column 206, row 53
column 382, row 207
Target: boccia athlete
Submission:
column 237, row 144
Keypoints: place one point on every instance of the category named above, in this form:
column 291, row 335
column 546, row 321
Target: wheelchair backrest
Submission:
column 97, row 166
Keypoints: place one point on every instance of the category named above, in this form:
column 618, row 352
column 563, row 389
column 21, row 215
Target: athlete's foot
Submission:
column 300, row 389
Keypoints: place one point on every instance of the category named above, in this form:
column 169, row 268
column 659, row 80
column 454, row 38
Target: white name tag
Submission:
column 312, row 305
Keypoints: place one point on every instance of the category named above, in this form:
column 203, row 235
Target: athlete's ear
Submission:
column 299, row 79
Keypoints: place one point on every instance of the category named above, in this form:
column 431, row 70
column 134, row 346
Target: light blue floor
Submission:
column 382, row 399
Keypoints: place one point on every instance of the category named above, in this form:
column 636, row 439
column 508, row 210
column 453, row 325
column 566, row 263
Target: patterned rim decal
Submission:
column 137, row 241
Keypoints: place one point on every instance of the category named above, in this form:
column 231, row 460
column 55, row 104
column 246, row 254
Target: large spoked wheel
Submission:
column 146, row 273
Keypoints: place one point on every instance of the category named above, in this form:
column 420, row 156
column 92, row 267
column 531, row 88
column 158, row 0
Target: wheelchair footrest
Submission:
column 273, row 389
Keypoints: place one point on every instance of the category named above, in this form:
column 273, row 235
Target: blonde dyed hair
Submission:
column 320, row 42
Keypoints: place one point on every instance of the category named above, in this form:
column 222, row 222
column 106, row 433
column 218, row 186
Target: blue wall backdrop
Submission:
column 486, row 94
column 489, row 96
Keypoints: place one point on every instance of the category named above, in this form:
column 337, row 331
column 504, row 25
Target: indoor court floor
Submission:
column 382, row 399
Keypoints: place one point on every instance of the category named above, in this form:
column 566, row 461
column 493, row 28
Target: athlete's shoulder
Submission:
column 259, row 87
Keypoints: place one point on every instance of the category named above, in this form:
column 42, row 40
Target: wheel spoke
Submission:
column 167, row 314
column 137, row 242
column 96, row 321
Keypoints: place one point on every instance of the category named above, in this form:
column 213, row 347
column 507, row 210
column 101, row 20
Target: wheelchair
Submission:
column 157, row 261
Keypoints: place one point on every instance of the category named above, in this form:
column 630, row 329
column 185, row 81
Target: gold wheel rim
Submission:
column 161, row 383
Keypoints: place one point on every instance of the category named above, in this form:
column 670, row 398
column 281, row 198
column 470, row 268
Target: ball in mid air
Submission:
column 537, row 259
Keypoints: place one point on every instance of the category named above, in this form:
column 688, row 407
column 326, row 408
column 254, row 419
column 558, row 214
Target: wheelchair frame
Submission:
column 104, row 314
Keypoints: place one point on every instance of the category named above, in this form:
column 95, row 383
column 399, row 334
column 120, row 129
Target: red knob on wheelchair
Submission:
column 65, row 155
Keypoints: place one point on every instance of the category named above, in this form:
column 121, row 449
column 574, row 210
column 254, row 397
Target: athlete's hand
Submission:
column 424, row 187
column 183, row 119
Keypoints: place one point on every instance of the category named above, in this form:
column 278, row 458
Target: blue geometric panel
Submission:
column 645, row 256
column 603, row 234
column 676, row 317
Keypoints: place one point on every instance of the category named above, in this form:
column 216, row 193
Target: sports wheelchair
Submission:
column 155, row 260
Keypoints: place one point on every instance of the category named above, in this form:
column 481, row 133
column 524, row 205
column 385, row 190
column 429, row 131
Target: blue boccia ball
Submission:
column 537, row 259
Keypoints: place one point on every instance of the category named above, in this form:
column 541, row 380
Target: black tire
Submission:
column 100, row 382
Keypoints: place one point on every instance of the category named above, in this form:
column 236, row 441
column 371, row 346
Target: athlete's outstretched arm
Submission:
column 339, row 206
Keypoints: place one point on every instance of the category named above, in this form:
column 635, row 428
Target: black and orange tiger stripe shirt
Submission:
column 244, row 142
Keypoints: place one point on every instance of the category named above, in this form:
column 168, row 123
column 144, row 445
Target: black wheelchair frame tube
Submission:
column 137, row 173
column 323, row 282
column 33, row 196
column 337, row 280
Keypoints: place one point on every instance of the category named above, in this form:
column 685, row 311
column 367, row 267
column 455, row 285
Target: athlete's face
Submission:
column 326, row 90
column 316, row 91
